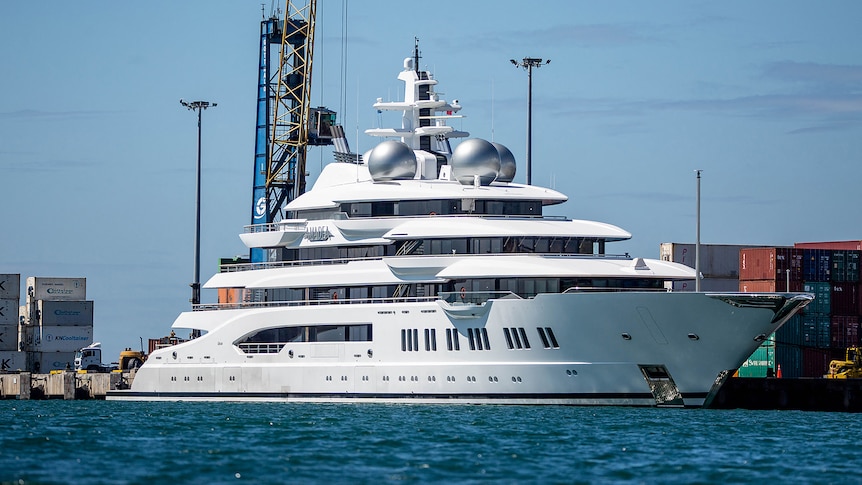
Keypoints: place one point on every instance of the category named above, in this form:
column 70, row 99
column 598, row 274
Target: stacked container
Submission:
column 805, row 345
column 59, row 322
column 719, row 265
column 832, row 274
column 11, row 359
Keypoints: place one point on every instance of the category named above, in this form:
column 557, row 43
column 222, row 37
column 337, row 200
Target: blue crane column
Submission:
column 270, row 34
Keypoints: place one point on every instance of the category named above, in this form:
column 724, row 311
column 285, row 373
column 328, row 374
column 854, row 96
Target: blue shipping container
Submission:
column 790, row 334
column 816, row 264
column 822, row 291
column 816, row 331
column 789, row 358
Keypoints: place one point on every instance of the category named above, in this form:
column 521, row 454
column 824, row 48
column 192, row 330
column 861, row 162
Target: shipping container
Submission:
column 761, row 363
column 23, row 315
column 706, row 284
column 230, row 295
column 8, row 337
column 822, row 292
column 59, row 313
column 788, row 358
column 45, row 362
column 769, row 286
column 11, row 361
column 852, row 268
column 790, row 334
column 845, row 266
column 831, row 245
column 66, row 289
column 770, row 264
column 844, row 299
column 716, row 260
column 844, row 331
column 815, row 362
column 10, row 287
column 63, row 339
column 816, row 264
column 816, row 331
column 8, row 311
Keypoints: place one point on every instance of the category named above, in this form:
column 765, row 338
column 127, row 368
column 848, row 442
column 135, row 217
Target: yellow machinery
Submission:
column 849, row 368
column 131, row 359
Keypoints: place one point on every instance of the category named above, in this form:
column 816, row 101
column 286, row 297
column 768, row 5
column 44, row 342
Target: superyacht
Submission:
column 418, row 273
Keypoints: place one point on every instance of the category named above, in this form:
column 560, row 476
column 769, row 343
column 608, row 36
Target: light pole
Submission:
column 529, row 63
column 198, row 106
column 697, row 241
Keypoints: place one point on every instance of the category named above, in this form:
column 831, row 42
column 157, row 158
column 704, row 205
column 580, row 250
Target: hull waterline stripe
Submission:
column 405, row 397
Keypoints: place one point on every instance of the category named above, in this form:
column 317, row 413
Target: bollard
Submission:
column 68, row 385
column 24, row 386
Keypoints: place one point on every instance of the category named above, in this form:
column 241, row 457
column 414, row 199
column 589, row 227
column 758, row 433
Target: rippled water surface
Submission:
column 120, row 442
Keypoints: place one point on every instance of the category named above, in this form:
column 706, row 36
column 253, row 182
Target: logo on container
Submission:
column 65, row 338
column 59, row 291
column 67, row 313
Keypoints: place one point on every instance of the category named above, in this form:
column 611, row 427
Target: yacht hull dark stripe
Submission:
column 282, row 396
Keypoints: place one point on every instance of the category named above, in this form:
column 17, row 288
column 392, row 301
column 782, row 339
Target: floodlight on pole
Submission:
column 697, row 238
column 198, row 106
column 528, row 63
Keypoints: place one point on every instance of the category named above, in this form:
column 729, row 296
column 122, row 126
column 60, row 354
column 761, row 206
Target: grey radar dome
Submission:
column 392, row 160
column 507, row 163
column 475, row 157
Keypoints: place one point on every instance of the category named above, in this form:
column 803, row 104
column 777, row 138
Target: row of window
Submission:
column 344, row 378
column 272, row 340
column 475, row 245
column 441, row 207
column 524, row 287
column 516, row 338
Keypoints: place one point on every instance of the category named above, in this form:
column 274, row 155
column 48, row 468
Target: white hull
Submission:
column 605, row 340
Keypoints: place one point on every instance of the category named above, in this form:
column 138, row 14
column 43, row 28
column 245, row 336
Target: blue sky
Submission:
column 97, row 155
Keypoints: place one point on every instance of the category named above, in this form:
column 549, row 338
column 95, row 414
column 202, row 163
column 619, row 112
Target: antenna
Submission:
column 416, row 54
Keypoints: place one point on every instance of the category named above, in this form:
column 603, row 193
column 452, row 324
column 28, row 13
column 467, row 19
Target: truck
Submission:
column 89, row 359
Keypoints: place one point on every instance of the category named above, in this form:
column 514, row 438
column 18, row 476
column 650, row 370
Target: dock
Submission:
column 837, row 395
column 811, row 394
column 62, row 385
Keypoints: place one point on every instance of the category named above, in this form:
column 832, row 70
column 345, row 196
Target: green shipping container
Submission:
column 761, row 363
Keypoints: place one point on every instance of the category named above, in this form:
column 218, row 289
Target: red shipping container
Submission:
column 844, row 331
column 815, row 362
column 845, row 299
column 770, row 264
column 769, row 286
column 851, row 245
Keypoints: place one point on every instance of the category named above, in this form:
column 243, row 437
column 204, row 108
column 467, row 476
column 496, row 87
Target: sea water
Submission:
column 86, row 442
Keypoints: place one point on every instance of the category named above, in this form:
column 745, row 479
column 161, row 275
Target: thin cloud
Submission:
column 822, row 76
column 34, row 114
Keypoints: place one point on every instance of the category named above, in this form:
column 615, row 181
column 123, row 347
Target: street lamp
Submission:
column 697, row 238
column 198, row 106
column 529, row 63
